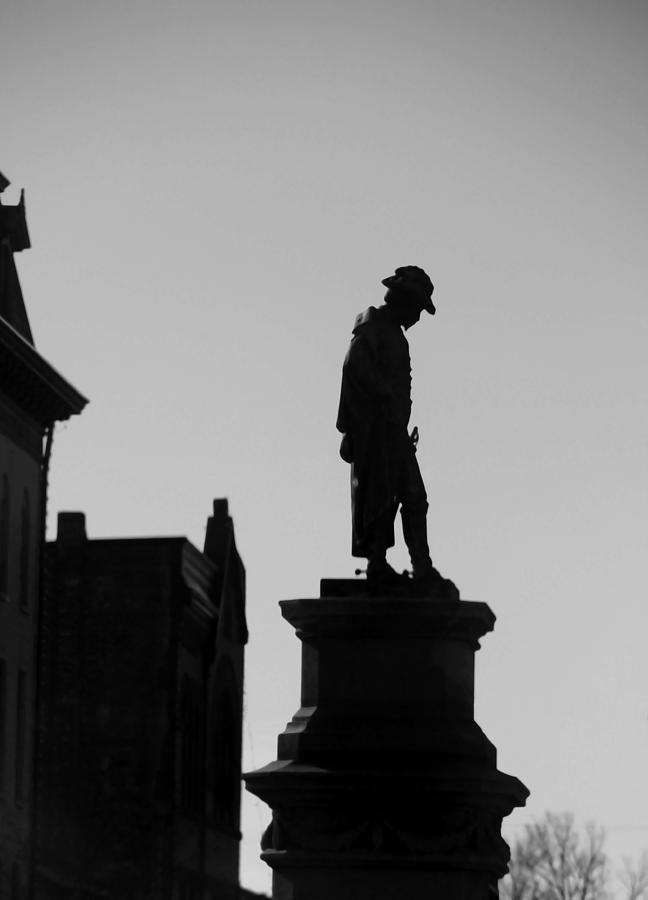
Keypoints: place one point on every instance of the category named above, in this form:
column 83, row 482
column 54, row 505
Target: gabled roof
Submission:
column 25, row 377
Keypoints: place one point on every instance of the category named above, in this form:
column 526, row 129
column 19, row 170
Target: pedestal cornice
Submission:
column 389, row 617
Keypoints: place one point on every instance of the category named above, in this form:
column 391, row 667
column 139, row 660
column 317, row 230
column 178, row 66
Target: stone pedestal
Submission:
column 385, row 787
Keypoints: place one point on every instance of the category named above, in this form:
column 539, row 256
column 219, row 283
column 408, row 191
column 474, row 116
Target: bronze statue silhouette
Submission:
column 373, row 416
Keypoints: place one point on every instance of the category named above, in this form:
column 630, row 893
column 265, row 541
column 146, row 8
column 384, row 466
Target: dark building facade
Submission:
column 33, row 396
column 139, row 760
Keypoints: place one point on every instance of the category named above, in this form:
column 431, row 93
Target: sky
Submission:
column 215, row 190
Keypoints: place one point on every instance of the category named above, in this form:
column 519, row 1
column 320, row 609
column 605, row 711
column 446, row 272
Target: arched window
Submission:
column 4, row 539
column 25, row 554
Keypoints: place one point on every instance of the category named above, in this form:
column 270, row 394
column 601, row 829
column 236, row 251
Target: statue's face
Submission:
column 410, row 312
column 407, row 307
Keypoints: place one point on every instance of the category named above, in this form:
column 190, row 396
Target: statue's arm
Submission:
column 365, row 381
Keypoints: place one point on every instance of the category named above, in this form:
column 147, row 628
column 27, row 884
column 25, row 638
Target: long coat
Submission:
column 374, row 411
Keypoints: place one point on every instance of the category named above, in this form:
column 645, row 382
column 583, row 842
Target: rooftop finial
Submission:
column 13, row 222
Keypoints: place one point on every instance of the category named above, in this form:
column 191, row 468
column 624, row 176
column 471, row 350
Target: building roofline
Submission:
column 138, row 539
column 199, row 573
column 32, row 382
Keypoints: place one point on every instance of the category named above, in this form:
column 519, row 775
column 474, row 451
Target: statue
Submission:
column 373, row 417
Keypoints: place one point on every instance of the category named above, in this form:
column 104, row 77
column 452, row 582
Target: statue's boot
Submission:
column 380, row 573
column 426, row 579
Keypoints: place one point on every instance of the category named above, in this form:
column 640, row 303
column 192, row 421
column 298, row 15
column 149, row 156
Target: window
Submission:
column 25, row 555
column 3, row 723
column 4, row 539
column 21, row 699
column 188, row 886
column 16, row 882
column 193, row 747
column 227, row 763
column 25, row 540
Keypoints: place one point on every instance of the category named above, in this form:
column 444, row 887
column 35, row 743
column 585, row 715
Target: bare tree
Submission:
column 634, row 878
column 553, row 861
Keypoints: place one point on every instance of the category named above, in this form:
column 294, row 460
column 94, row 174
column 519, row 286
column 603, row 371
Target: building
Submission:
column 33, row 396
column 140, row 729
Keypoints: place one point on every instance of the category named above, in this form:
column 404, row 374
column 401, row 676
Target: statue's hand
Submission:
column 346, row 448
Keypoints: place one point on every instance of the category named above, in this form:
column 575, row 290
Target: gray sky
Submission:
column 215, row 189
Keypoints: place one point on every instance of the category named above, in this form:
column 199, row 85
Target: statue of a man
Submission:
column 374, row 412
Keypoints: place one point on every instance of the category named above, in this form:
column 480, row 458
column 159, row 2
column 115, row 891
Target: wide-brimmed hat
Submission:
column 416, row 282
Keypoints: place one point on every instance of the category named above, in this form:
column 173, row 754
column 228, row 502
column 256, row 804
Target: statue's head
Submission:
column 412, row 283
column 409, row 290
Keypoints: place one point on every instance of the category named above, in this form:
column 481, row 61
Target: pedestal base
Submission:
column 369, row 884
column 385, row 787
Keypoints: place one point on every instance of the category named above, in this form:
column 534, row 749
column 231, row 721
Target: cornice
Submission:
column 199, row 575
column 389, row 617
column 32, row 383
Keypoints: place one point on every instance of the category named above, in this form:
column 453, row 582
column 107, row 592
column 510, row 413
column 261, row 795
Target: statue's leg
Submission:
column 380, row 537
column 414, row 507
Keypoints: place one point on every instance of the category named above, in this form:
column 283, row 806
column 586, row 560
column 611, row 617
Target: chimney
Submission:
column 71, row 530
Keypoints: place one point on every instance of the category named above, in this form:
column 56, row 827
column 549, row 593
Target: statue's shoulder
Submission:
column 367, row 319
